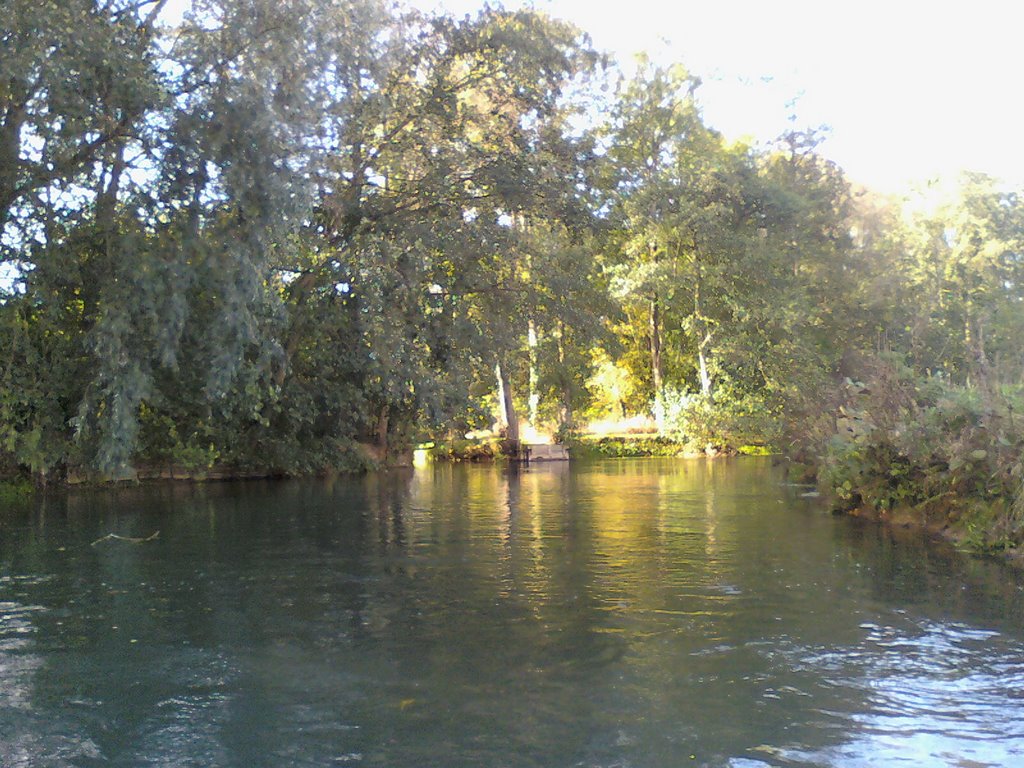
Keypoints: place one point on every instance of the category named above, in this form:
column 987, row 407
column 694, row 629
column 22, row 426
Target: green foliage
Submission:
column 15, row 491
column 991, row 527
column 945, row 454
column 312, row 253
column 733, row 420
column 299, row 235
column 466, row 450
column 626, row 447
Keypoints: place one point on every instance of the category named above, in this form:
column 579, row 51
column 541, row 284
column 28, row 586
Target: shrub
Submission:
column 948, row 455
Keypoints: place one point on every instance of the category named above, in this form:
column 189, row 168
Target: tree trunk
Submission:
column 10, row 150
column 703, row 331
column 106, row 206
column 705, row 376
column 301, row 288
column 657, row 373
column 974, row 339
column 568, row 421
column 383, row 421
column 534, row 393
column 508, row 408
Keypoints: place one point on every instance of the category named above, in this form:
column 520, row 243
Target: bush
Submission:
column 732, row 421
column 465, row 450
column 15, row 490
column 626, row 447
column 940, row 454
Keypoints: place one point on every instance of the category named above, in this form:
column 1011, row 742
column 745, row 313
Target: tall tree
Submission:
column 447, row 132
column 655, row 124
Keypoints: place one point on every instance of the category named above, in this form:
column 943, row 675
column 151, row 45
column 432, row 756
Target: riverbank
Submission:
column 890, row 493
column 917, row 451
column 970, row 537
column 369, row 458
column 365, row 457
column 593, row 446
column 989, row 528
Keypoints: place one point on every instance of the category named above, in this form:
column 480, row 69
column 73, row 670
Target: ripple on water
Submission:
column 30, row 739
column 36, row 748
column 940, row 694
column 629, row 615
column 17, row 664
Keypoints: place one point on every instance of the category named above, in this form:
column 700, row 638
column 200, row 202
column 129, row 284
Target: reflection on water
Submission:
column 655, row 613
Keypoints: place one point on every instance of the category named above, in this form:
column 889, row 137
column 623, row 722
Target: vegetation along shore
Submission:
column 286, row 237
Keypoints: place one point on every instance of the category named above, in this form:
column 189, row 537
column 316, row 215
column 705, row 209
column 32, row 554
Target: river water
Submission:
column 623, row 613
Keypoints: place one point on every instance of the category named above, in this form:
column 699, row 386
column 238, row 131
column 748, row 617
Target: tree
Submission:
column 968, row 267
column 447, row 132
column 151, row 196
column 80, row 77
column 652, row 127
column 685, row 220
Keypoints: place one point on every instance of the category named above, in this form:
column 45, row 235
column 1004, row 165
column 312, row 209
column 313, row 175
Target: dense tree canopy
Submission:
column 280, row 229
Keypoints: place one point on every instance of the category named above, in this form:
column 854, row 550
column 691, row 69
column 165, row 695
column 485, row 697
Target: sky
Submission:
column 909, row 89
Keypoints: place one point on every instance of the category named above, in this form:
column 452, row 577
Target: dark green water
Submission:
column 626, row 614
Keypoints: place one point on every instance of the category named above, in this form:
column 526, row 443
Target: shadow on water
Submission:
column 623, row 613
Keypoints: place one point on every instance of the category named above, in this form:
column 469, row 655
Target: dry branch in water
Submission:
column 129, row 539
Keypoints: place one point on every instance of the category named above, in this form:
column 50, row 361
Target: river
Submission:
column 631, row 613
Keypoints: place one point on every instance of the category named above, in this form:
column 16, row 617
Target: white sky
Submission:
column 910, row 89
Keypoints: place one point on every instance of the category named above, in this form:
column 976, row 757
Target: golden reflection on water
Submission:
column 548, row 532
column 626, row 613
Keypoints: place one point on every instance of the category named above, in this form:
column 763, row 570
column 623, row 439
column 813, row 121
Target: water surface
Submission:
column 623, row 613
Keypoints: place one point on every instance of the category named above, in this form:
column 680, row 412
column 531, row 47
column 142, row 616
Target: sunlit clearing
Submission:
column 629, row 426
